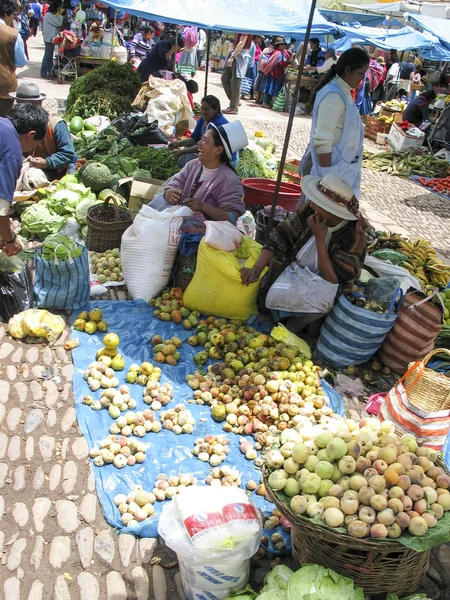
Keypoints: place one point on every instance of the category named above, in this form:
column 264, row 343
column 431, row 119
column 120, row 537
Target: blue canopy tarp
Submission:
column 342, row 16
column 253, row 16
column 438, row 27
column 405, row 38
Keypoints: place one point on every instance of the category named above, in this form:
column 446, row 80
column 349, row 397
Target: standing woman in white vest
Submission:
column 337, row 132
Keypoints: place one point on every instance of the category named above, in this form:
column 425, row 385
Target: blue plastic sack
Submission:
column 351, row 335
column 167, row 453
column 62, row 285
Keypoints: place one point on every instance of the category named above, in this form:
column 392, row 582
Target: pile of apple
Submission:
column 363, row 477
column 136, row 507
column 178, row 420
column 261, row 405
column 212, row 449
column 119, row 451
column 115, row 400
column 110, row 354
column 142, row 373
column 157, row 395
column 136, row 423
column 98, row 375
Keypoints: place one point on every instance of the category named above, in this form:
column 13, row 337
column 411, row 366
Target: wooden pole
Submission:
column 113, row 34
column 208, row 49
column 291, row 117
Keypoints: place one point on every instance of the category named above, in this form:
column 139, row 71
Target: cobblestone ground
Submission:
column 54, row 540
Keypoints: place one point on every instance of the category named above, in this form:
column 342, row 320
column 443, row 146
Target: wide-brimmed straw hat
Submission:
column 28, row 92
column 279, row 40
column 333, row 194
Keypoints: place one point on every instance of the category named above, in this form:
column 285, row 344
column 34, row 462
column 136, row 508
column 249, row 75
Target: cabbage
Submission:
column 272, row 594
column 83, row 207
column 82, row 190
column 63, row 201
column 39, row 220
column 278, row 577
column 246, row 594
column 313, row 582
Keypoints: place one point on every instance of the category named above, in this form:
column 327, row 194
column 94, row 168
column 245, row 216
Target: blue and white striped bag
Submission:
column 351, row 335
column 62, row 285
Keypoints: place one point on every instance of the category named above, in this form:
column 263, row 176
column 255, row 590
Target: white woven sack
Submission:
column 148, row 250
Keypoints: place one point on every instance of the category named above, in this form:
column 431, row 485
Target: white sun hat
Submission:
column 233, row 137
column 332, row 194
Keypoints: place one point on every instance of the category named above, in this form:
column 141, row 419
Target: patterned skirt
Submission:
column 260, row 81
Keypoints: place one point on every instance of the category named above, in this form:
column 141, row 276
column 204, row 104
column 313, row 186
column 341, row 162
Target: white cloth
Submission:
column 330, row 119
column 393, row 75
column 300, row 288
column 327, row 65
column 4, row 207
column 201, row 40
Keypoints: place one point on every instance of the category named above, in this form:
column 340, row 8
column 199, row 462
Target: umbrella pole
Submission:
column 291, row 116
column 208, row 49
column 113, row 34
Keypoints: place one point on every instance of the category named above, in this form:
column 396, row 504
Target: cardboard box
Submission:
column 402, row 142
column 143, row 190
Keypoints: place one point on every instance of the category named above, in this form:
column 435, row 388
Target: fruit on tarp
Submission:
column 96, row 176
column 90, row 322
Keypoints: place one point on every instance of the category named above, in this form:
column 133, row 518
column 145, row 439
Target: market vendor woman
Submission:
column 313, row 256
column 187, row 149
column 208, row 185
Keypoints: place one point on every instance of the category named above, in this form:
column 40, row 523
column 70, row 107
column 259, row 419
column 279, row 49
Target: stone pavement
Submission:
column 54, row 540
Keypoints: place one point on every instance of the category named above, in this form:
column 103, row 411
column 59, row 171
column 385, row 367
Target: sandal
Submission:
column 230, row 111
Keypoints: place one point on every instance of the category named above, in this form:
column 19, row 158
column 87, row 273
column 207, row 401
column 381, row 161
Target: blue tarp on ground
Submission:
column 287, row 17
column 341, row 16
column 166, row 453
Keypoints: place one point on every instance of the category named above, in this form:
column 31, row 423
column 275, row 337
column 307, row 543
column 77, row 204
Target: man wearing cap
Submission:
column 19, row 132
column 12, row 54
column 55, row 152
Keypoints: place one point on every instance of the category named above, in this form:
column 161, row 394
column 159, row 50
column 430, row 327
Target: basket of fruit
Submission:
column 362, row 501
column 106, row 224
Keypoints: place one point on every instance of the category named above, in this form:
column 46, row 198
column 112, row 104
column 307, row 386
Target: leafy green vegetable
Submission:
column 108, row 90
column 83, row 207
column 63, row 202
column 60, row 245
column 251, row 164
column 39, row 221
column 313, row 582
column 278, row 577
column 246, row 594
column 161, row 163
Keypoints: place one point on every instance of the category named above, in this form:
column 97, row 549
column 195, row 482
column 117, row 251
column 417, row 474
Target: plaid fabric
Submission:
column 66, row 40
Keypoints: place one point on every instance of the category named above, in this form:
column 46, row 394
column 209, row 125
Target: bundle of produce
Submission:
column 107, row 90
column 60, row 247
column 252, row 164
column 420, row 258
column 169, row 306
column 404, row 164
column 362, row 480
column 166, row 351
column 119, row 451
column 161, row 163
column 115, row 400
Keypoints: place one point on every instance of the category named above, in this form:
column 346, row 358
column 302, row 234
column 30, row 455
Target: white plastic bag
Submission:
column 214, row 532
column 222, row 235
column 148, row 250
column 385, row 268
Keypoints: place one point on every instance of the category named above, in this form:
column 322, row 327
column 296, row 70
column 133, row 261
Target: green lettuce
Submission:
column 83, row 207
column 39, row 221
column 278, row 577
column 313, row 582
column 63, row 202
column 60, row 245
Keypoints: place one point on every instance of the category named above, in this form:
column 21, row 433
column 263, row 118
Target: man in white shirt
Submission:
column 392, row 81
column 330, row 59
column 201, row 43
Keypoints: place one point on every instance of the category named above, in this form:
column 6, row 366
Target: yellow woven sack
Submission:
column 38, row 323
column 216, row 288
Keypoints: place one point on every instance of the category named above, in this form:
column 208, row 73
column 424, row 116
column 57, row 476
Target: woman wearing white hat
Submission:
column 209, row 185
column 313, row 255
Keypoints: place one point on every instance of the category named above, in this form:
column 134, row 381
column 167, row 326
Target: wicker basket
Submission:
column 427, row 389
column 106, row 235
column 378, row 567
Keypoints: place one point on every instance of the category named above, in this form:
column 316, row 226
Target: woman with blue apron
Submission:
column 337, row 132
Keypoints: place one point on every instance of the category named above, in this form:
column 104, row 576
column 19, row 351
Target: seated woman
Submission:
column 418, row 110
column 187, row 149
column 208, row 185
column 313, row 256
